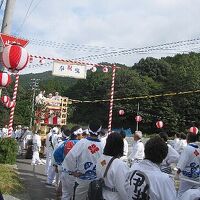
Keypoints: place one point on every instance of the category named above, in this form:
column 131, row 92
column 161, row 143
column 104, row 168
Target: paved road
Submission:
column 34, row 179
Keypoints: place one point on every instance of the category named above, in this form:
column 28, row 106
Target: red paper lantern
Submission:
column 138, row 118
column 5, row 79
column 121, row 112
column 159, row 124
column 15, row 57
column 105, row 69
column 193, row 130
column 10, row 104
column 5, row 99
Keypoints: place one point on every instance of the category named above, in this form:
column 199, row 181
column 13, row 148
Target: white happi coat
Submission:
column 161, row 186
column 191, row 194
column 137, row 151
column 125, row 153
column 176, row 144
column 83, row 158
column 189, row 164
column 115, row 177
column 172, row 157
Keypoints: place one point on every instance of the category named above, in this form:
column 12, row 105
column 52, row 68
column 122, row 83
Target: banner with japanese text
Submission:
column 67, row 69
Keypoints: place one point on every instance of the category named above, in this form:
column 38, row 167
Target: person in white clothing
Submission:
column 191, row 194
column 49, row 150
column 115, row 179
column 53, row 141
column 176, row 141
column 189, row 164
column 182, row 143
column 145, row 180
column 81, row 160
column 68, row 180
column 125, row 152
column 36, row 148
column 138, row 148
column 5, row 131
column 103, row 136
column 171, row 158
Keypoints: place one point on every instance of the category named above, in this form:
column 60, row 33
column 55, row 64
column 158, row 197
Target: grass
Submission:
column 10, row 182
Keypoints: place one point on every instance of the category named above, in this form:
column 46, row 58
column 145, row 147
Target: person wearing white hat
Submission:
column 189, row 164
column 137, row 153
column 81, row 160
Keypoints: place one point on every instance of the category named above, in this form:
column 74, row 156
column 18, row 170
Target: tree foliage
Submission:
column 149, row 76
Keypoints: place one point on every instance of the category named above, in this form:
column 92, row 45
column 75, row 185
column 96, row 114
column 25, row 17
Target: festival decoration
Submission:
column 5, row 79
column 15, row 57
column 30, row 59
column 159, row 124
column 121, row 112
column 10, row 104
column 193, row 130
column 93, row 69
column 12, row 110
column 5, row 99
column 138, row 118
column 105, row 69
column 42, row 61
column 111, row 99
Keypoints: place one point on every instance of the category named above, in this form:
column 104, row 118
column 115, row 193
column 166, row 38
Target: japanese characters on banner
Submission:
column 69, row 70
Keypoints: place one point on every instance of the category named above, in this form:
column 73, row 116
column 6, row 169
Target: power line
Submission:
column 138, row 97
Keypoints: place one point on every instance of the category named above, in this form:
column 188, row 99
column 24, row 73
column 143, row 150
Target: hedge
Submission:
column 8, row 150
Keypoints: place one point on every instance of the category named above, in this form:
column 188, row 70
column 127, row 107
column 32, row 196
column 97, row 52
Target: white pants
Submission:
column 48, row 161
column 51, row 174
column 36, row 158
column 82, row 189
column 67, row 186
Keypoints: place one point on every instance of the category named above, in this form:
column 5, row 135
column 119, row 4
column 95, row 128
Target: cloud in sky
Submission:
column 107, row 23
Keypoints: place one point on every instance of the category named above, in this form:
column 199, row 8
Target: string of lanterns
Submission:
column 159, row 124
column 15, row 58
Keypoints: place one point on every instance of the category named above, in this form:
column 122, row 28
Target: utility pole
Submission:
column 7, row 18
column 35, row 85
column 6, row 24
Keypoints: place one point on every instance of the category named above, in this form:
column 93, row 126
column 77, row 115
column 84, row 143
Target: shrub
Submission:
column 8, row 150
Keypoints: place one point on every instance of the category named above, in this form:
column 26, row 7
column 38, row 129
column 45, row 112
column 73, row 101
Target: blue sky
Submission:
column 95, row 24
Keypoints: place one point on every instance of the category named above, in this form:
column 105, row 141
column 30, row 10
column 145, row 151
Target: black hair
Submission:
column 164, row 136
column 123, row 134
column 73, row 136
column 191, row 137
column 66, row 132
column 102, row 132
column 156, row 150
column 63, row 128
column 114, row 145
column 183, row 136
column 178, row 135
column 94, row 126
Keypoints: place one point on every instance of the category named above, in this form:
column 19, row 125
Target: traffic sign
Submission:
column 9, row 39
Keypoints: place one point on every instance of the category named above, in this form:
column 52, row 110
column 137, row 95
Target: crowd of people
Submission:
column 157, row 169
column 76, row 157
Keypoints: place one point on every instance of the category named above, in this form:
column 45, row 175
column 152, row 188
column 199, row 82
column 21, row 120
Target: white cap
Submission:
column 139, row 134
column 55, row 130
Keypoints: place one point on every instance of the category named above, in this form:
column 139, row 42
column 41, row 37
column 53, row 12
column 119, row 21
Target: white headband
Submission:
column 94, row 133
column 78, row 132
